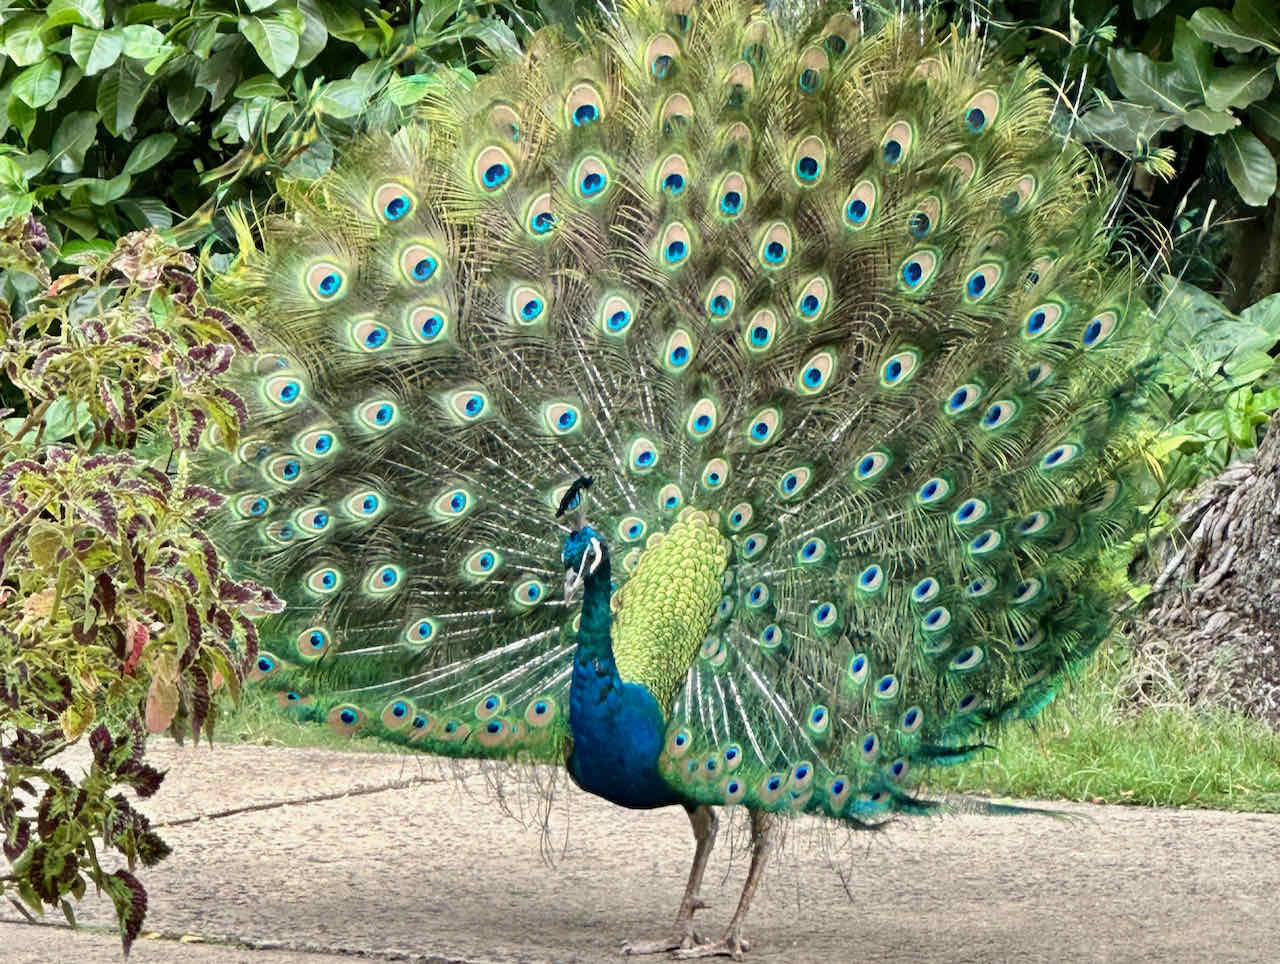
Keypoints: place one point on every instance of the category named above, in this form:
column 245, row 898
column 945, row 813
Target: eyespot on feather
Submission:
column 526, row 305
column 383, row 579
column 363, row 505
column 672, row 176
column 981, row 111
column 426, row 323
column 812, row 301
column 493, row 169
column 872, row 465
column 816, row 373
column 703, row 418
column 660, row 56
column 731, row 195
column 1100, row 328
column 323, row 581
column 369, row 335
column 760, row 331
column 900, row 367
column 775, row 246
column 590, row 178
column 926, row 217
column 839, row 34
column 740, row 82
column 482, row 563
column 1042, row 319
column 812, row 69
column 393, row 202
column 418, row 263
column 896, row 144
column 616, row 315
column 983, row 281
column 318, row 443
column 860, row 204
column 326, row 281
column 721, row 297
column 505, row 122
column 677, row 112
column 675, row 246
column 714, row 474
column 583, row 105
column 809, row 162
column 918, row 270
column 377, row 414
column 539, row 220
column 964, row 166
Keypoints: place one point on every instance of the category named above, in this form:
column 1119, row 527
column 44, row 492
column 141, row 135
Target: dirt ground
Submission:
column 308, row 856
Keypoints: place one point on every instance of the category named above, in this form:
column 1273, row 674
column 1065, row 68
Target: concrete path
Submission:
column 307, row 856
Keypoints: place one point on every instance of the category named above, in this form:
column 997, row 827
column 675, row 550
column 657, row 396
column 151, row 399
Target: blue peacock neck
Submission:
column 618, row 728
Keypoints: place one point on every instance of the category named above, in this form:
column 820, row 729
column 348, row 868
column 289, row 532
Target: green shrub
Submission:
column 116, row 615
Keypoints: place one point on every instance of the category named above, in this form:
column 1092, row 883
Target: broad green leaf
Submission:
column 340, row 19
column 74, row 135
column 146, row 212
column 1126, row 127
column 1245, row 367
column 263, row 85
column 183, row 97
column 95, row 50
column 1264, row 315
column 314, row 34
column 149, row 152
column 404, row 91
column 219, row 75
column 1260, row 17
column 36, row 85
column 256, row 5
column 22, row 40
column 342, row 99
column 1239, row 86
column 274, row 41
column 45, row 539
column 87, row 13
column 1249, row 164
column 71, row 75
column 1209, row 121
column 1146, row 9
column 1193, row 57
column 496, row 36
column 1140, row 80
column 119, row 95
column 143, row 42
column 21, row 117
column 61, row 420
column 1221, row 29
column 1265, row 117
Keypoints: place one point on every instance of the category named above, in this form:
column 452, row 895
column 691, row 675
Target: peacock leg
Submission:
column 705, row 823
column 733, row 944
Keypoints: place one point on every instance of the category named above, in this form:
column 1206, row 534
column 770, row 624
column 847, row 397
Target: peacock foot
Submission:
column 731, row 945
column 682, row 937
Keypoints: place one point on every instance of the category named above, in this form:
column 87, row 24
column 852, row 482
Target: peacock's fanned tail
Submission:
column 843, row 297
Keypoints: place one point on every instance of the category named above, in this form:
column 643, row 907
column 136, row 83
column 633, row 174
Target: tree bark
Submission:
column 1212, row 620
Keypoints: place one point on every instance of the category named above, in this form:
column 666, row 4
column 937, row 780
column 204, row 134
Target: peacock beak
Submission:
column 572, row 583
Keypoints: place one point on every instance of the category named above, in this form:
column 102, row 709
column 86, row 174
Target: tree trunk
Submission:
column 1213, row 617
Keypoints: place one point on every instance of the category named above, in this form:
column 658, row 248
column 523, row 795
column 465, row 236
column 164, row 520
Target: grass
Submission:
column 1085, row 747
column 1081, row 747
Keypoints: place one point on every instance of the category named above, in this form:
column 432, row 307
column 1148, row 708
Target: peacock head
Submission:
column 584, row 553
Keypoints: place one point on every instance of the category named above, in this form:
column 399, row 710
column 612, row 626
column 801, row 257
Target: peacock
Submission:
column 800, row 353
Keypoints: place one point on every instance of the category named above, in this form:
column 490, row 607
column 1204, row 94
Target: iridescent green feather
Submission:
column 844, row 299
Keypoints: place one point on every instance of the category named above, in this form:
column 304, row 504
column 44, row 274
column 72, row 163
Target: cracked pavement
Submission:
column 311, row 856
